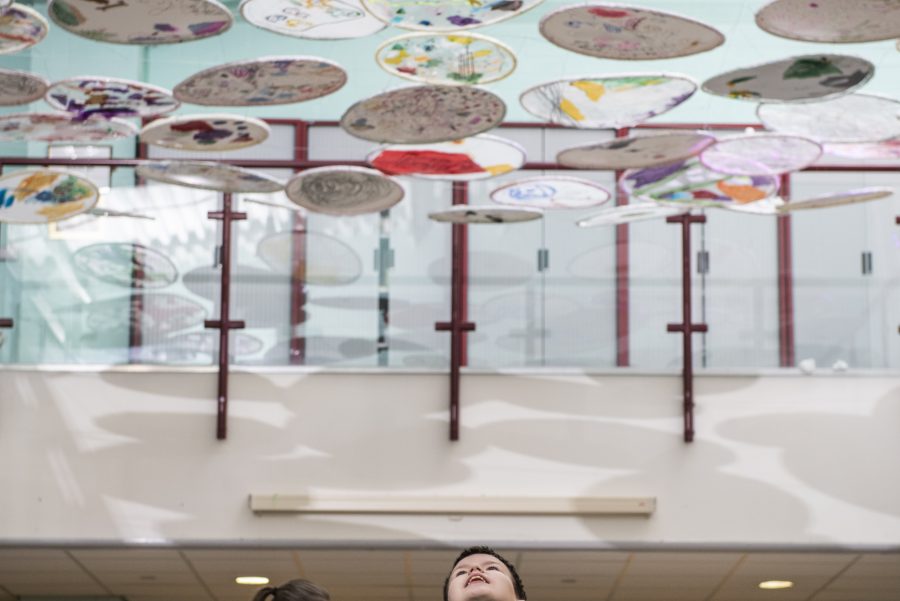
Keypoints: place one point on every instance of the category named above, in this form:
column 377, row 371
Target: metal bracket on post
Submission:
column 686, row 328
column 224, row 324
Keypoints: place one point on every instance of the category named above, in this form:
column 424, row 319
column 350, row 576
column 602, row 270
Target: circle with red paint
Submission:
column 478, row 157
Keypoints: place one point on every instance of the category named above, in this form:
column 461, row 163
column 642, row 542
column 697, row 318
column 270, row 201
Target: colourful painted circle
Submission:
column 605, row 102
column 551, row 192
column 761, row 154
column 208, row 175
column 21, row 27
column 126, row 264
column 147, row 22
column 466, row 214
column 216, row 133
column 44, row 196
column 449, row 59
column 627, row 33
column 478, row 157
column 849, row 118
column 767, row 207
column 635, row 152
column 343, row 190
column 108, row 97
column 263, row 81
column 20, row 87
column 446, row 15
column 312, row 19
column 54, row 127
column 831, row 21
column 328, row 260
column 641, row 211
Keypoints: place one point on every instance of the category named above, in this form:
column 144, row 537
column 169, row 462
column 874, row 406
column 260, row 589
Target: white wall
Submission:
column 116, row 456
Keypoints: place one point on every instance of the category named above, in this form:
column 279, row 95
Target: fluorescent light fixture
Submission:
column 255, row 580
column 776, row 584
column 453, row 505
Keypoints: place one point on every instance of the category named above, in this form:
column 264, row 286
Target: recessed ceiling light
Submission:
column 776, row 584
column 257, row 580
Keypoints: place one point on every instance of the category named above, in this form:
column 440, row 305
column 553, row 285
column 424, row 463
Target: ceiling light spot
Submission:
column 255, row 580
column 776, row 584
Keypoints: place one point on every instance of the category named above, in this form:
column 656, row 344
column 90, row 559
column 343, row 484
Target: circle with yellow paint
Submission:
column 44, row 195
column 451, row 59
column 601, row 102
column 479, row 157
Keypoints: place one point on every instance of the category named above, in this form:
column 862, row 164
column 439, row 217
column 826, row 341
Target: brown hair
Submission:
column 517, row 582
column 293, row 590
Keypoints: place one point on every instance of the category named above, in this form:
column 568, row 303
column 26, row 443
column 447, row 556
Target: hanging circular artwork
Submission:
column 21, row 27
column 422, row 114
column 689, row 183
column 635, row 151
column 834, row 21
column 629, row 213
column 4, row 4
column 126, row 264
column 888, row 149
column 343, row 190
column 146, row 22
column 327, row 261
column 108, row 97
column 44, row 195
column 20, row 87
column 850, row 118
column 627, row 33
column 767, row 207
column 551, row 192
column 215, row 133
column 312, row 19
column 477, row 157
column 263, row 81
column 53, row 127
column 799, row 78
column 446, row 58
column 601, row 102
column 839, row 198
column 208, row 175
column 761, row 154
column 446, row 15
column 482, row 214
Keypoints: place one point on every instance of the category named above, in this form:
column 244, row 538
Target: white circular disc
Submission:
column 328, row 261
column 208, row 175
column 833, row 21
column 850, row 118
column 44, row 195
column 20, row 87
column 446, row 15
column 343, row 190
column 109, row 97
column 761, row 154
column 312, row 19
column 54, row 127
column 21, row 27
column 263, row 81
column 551, row 192
column 485, row 214
column 607, row 102
column 478, row 157
column 839, row 198
column 635, row 152
column 641, row 211
column 211, row 133
column 887, row 149
column 145, row 22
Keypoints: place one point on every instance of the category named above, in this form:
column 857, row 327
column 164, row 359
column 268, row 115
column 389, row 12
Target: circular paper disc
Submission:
column 20, row 87
column 126, row 264
column 53, row 127
column 343, row 190
column 600, row 102
column 629, row 213
column 836, row 21
column 263, row 81
column 476, row 214
column 478, row 157
column 635, row 151
column 551, row 192
column 627, row 33
column 21, row 27
column 850, row 118
column 205, row 132
column 327, row 260
column 423, row 114
column 109, row 97
column 208, row 175
column 688, row 183
column 888, row 149
column 446, row 15
column 44, row 195
column 146, row 22
column 761, row 154
column 766, row 207
column 313, row 19
column 838, row 199
column 446, row 58
column 799, row 78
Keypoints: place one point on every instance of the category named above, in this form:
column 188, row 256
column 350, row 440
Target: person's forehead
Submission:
column 479, row 559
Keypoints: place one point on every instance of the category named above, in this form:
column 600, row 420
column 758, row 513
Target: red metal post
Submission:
column 785, row 283
column 224, row 324
column 686, row 327
column 623, row 350
column 298, row 258
column 136, row 305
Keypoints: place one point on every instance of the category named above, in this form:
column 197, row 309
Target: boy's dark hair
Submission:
column 293, row 590
column 517, row 582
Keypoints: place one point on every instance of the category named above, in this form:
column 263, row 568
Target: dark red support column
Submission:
column 457, row 326
column 785, row 283
column 687, row 327
column 298, row 258
column 136, row 306
column 623, row 302
column 224, row 324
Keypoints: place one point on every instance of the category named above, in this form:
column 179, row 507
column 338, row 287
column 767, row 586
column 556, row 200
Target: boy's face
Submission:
column 480, row 577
